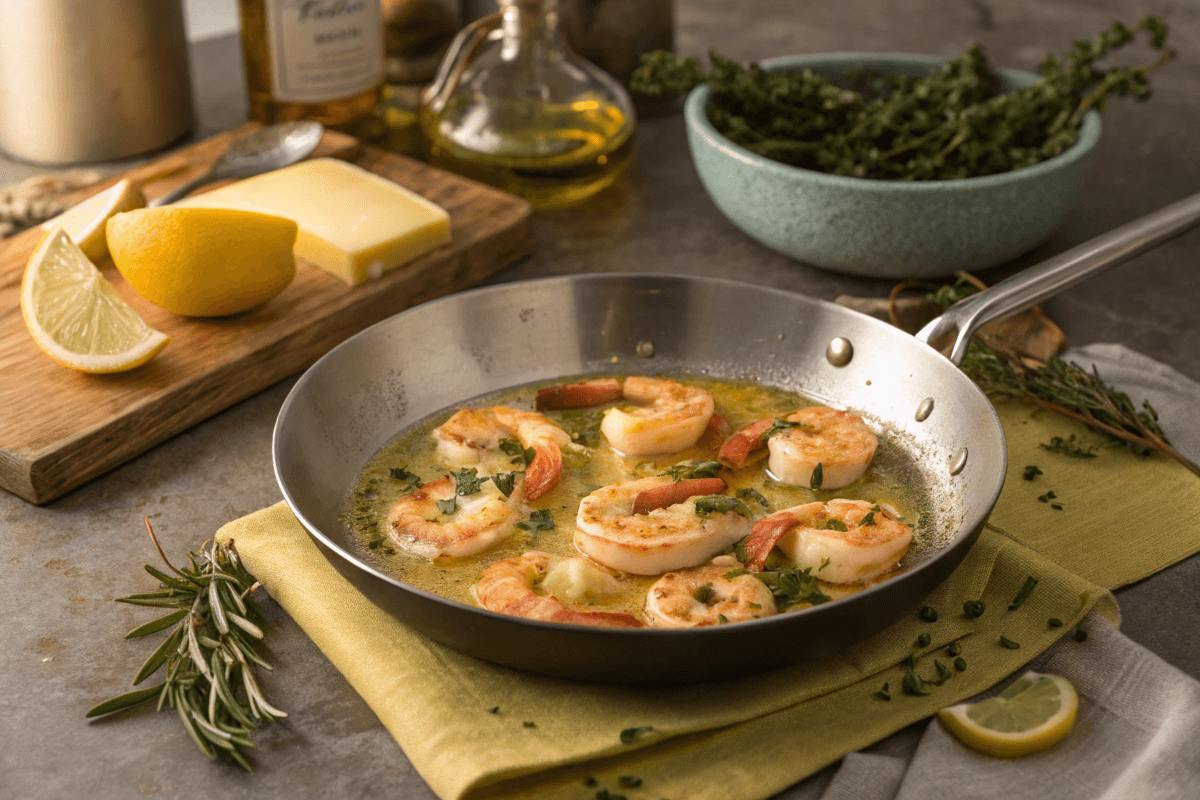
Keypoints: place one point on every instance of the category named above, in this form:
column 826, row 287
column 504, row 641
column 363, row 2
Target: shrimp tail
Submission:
column 579, row 395
column 545, row 470
column 738, row 448
column 672, row 493
column 763, row 536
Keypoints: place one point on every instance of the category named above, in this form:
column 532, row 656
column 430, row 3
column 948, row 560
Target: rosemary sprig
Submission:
column 209, row 655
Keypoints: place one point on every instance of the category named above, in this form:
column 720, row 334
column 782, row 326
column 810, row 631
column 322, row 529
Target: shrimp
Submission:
column 507, row 587
column 472, row 437
column 672, row 534
column 838, row 441
column 669, row 417
column 704, row 596
column 478, row 522
column 842, row 541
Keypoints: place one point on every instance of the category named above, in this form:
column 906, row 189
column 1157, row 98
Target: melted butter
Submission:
column 893, row 480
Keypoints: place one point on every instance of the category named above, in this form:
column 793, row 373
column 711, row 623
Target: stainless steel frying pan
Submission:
column 378, row 383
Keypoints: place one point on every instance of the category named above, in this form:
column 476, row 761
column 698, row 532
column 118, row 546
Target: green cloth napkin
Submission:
column 750, row 737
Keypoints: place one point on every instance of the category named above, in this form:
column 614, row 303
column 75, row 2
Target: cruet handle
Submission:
column 460, row 52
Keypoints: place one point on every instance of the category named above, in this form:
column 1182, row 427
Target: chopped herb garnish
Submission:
column 754, row 606
column 583, row 425
column 869, row 519
column 1079, row 635
column 954, row 649
column 504, row 481
column 494, row 710
column 539, row 520
column 693, row 469
column 818, row 478
column 1055, row 622
column 1067, row 447
column 778, row 426
column 1023, row 595
column 736, row 572
column 960, row 664
column 402, row 474
column 1009, row 643
column 720, row 504
column 605, row 794
column 923, row 640
column 824, row 564
column 747, row 494
column 705, row 593
column 833, row 524
column 914, row 683
column 722, row 619
column 973, row 608
column 529, row 724
column 374, row 543
column 467, row 481
column 1032, row 472
column 447, row 507
column 630, row 735
column 928, row 614
column 1056, row 506
column 590, row 781
column 517, row 453
column 629, row 781
column 943, row 671
column 793, row 585
column 884, row 694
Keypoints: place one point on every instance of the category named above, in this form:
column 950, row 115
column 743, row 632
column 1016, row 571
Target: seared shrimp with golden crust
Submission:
column 473, row 437
column 651, row 525
column 842, row 541
column 838, row 441
column 477, row 523
column 704, row 596
column 508, row 587
column 668, row 417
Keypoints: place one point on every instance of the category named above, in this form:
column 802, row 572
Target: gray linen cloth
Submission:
column 1137, row 733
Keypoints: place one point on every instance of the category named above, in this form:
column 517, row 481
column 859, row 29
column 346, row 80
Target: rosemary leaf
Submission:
column 158, row 657
column 154, row 626
column 124, row 701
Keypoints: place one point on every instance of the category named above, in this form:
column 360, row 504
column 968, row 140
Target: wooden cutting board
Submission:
column 59, row 428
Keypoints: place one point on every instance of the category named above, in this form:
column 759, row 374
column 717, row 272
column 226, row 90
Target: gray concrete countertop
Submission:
column 61, row 564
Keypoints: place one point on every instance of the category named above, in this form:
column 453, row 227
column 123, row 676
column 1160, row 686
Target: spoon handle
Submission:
column 182, row 191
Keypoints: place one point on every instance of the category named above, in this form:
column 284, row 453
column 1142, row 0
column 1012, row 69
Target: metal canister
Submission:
column 92, row 80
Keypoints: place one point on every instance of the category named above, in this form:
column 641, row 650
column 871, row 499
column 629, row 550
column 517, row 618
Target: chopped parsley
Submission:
column 401, row 473
column 517, row 453
column 720, row 504
column 467, row 481
column 705, row 594
column 793, row 585
column 447, row 507
column 539, row 520
column 689, row 470
column 374, row 543
column 504, row 481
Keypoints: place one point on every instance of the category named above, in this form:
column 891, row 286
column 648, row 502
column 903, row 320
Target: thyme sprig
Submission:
column 209, row 655
column 954, row 123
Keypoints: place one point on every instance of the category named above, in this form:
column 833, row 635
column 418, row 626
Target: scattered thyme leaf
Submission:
column 960, row 664
column 1023, row 594
column 793, row 585
column 631, row 735
column 884, row 694
column 494, row 710
column 1054, row 622
column 824, row 564
column 1032, row 472
column 928, row 614
column 629, row 781
column 1079, row 635
column 1067, row 447
column 1047, row 497
column 943, row 671
column 1009, row 643
column 833, row 524
column 914, row 683
column 517, row 453
column 374, row 543
column 869, row 519
column 722, row 619
column 529, row 724
column 924, row 639
column 705, row 593
column 954, row 649
column 973, row 609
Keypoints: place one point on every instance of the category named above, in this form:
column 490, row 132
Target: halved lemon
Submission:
column 1032, row 714
column 85, row 222
column 76, row 316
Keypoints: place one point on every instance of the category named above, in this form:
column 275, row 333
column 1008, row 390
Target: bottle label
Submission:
column 324, row 49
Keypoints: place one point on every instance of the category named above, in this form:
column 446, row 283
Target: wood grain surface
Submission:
column 60, row 428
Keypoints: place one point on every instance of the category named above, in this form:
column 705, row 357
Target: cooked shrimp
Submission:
column 472, row 437
column 669, row 417
column 838, row 441
column 507, row 587
column 478, row 522
column 702, row 596
column 672, row 534
column 842, row 541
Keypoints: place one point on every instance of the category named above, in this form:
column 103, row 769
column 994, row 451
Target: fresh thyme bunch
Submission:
column 952, row 124
column 209, row 654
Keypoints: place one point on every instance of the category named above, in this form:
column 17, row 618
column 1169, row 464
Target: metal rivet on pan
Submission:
column 924, row 410
column 958, row 462
column 645, row 349
column 839, row 352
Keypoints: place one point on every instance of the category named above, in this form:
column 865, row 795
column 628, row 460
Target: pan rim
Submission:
column 962, row 529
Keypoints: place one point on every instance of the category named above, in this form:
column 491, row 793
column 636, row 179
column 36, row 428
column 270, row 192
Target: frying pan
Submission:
column 443, row 353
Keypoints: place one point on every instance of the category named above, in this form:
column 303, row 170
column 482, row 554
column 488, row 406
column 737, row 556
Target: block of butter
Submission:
column 353, row 223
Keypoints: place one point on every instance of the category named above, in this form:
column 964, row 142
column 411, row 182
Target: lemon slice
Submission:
column 203, row 262
column 76, row 316
column 1032, row 714
column 84, row 223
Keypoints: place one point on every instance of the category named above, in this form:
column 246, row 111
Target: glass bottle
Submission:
column 512, row 106
column 317, row 59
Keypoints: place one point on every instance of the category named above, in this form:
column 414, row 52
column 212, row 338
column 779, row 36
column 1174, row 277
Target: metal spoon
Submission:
column 263, row 150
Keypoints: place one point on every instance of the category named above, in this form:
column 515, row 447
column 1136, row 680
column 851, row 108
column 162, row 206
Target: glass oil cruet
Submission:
column 512, row 106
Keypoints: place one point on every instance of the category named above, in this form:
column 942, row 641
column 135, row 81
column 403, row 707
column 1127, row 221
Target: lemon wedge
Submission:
column 203, row 262
column 76, row 316
column 1031, row 715
column 85, row 222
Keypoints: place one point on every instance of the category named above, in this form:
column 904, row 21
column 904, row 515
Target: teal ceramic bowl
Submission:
column 878, row 228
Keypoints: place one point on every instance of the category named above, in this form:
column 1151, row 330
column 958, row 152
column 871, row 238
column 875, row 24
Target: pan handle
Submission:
column 1047, row 279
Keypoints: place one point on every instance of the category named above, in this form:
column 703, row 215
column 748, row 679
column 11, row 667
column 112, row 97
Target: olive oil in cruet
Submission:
column 513, row 107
